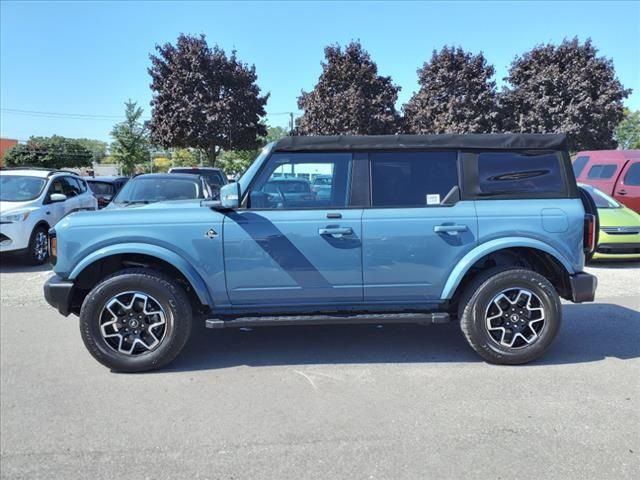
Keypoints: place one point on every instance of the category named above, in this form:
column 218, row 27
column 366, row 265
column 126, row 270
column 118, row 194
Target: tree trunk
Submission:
column 211, row 155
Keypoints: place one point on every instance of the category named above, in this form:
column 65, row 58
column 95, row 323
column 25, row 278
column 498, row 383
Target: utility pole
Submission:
column 290, row 123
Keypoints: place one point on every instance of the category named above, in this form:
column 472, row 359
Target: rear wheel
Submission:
column 510, row 316
column 135, row 320
column 38, row 250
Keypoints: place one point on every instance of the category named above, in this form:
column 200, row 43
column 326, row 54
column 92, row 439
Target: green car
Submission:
column 619, row 228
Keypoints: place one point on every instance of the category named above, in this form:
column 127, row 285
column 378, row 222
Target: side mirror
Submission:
column 230, row 196
column 57, row 197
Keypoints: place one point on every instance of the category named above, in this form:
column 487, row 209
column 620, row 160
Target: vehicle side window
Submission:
column 578, row 165
column 70, row 186
column 412, row 179
column 82, row 184
column 601, row 172
column 632, row 176
column 519, row 172
column 57, row 186
column 289, row 181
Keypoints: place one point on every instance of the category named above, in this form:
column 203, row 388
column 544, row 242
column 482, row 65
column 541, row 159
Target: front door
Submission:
column 627, row 190
column 296, row 244
column 414, row 235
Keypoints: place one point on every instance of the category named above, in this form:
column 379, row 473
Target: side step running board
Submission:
column 439, row 317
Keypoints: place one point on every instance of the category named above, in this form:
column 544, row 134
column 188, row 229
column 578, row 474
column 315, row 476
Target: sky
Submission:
column 88, row 58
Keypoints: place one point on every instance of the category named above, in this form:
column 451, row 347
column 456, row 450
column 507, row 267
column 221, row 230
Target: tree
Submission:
column 457, row 95
column 130, row 145
column 350, row 97
column 237, row 161
column 161, row 164
column 627, row 133
column 49, row 152
column 98, row 148
column 565, row 88
column 185, row 157
column 204, row 99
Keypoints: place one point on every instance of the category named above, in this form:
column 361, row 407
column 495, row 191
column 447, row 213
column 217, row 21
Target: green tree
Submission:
column 204, row 99
column 185, row 157
column 161, row 164
column 98, row 148
column 130, row 145
column 565, row 88
column 457, row 95
column 49, row 152
column 627, row 133
column 234, row 162
column 350, row 97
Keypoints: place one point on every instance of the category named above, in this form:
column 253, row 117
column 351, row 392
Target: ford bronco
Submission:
column 487, row 230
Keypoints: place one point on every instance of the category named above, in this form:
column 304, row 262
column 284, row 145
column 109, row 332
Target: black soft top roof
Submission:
column 488, row 141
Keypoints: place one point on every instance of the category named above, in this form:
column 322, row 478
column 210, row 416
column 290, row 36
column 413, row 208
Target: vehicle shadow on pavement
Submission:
column 14, row 265
column 590, row 332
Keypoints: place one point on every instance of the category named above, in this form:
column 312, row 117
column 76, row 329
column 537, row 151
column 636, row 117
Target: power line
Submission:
column 87, row 116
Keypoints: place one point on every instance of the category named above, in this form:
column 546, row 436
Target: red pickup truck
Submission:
column 616, row 172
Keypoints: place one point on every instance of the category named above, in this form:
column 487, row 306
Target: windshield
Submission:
column 602, row 199
column 213, row 177
column 149, row 189
column 15, row 188
column 253, row 168
column 101, row 188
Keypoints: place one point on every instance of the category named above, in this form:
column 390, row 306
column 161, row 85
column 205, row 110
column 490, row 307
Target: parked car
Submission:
column 161, row 187
column 322, row 186
column 105, row 188
column 286, row 192
column 33, row 200
column 487, row 230
column 619, row 236
column 615, row 172
column 215, row 177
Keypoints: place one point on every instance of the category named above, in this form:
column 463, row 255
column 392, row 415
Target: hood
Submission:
column 6, row 207
column 618, row 217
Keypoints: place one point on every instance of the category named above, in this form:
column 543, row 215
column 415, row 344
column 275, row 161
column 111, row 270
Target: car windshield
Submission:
column 17, row 188
column 149, row 189
column 213, row 177
column 101, row 188
column 322, row 181
column 602, row 199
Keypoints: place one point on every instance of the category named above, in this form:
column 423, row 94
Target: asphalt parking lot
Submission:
column 353, row 402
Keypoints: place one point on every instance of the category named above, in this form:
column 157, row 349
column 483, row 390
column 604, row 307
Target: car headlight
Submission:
column 14, row 217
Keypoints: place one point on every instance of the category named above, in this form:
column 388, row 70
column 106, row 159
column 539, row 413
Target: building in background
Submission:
column 6, row 144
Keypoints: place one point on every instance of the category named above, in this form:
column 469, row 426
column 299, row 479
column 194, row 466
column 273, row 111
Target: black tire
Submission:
column 476, row 301
column 35, row 253
column 165, row 292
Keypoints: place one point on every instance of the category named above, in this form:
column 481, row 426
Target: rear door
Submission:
column 627, row 190
column 411, row 238
column 291, row 249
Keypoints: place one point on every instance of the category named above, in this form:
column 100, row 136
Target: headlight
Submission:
column 14, row 217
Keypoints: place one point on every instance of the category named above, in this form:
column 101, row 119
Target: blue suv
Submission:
column 487, row 230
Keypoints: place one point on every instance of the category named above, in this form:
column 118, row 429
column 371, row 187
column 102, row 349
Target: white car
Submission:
column 34, row 200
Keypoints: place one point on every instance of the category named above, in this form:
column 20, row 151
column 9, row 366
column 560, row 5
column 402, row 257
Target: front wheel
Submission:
column 510, row 316
column 38, row 250
column 135, row 320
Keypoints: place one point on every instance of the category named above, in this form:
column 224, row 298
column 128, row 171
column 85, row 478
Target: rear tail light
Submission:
column 589, row 233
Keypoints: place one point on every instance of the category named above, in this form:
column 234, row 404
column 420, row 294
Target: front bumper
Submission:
column 58, row 293
column 15, row 236
column 583, row 287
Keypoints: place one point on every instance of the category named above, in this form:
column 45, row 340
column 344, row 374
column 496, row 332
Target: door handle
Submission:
column 336, row 232
column 622, row 192
column 450, row 229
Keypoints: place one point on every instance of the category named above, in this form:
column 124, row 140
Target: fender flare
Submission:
column 194, row 278
column 463, row 266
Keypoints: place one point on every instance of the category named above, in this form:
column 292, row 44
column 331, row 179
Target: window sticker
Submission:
column 433, row 199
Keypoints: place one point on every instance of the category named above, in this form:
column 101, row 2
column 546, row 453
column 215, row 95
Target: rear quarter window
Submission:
column 601, row 172
column 520, row 172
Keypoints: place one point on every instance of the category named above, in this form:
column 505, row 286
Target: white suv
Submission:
column 33, row 200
